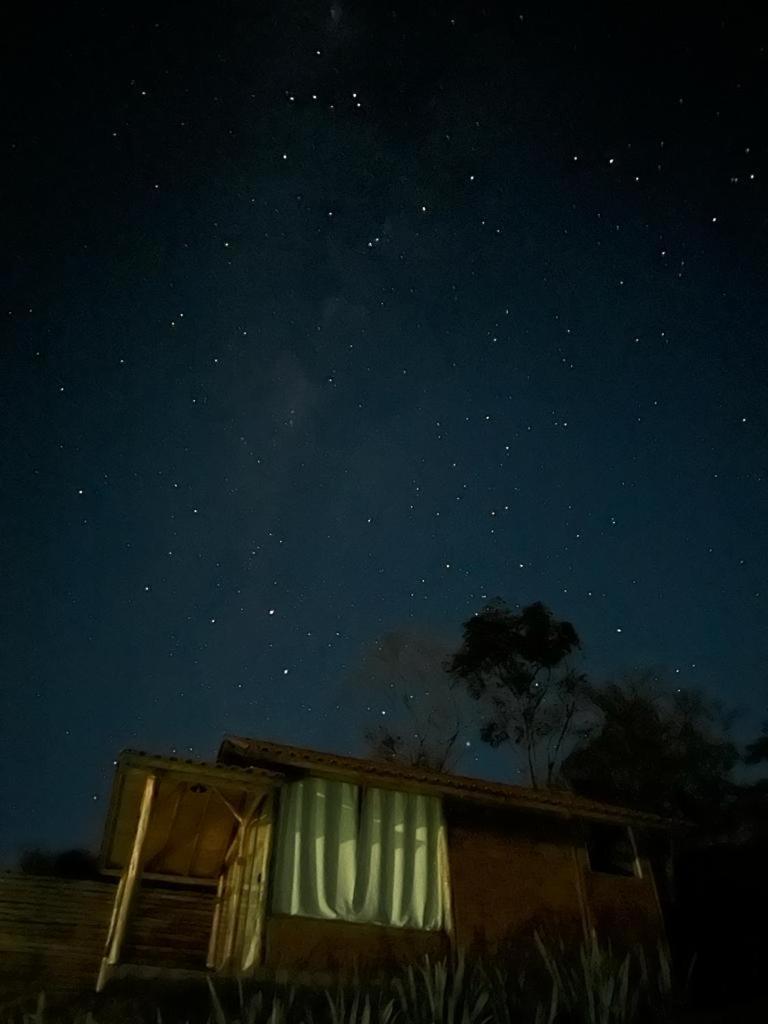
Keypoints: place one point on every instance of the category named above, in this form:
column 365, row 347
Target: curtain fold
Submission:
column 316, row 845
column 379, row 859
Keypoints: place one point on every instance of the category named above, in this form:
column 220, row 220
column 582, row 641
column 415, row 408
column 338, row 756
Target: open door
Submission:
column 237, row 937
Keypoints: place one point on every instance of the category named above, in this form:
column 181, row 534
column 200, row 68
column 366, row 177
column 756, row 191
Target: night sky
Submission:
column 322, row 322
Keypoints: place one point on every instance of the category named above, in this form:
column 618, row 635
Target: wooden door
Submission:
column 237, row 938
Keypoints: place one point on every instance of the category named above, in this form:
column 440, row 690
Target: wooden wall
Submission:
column 53, row 930
column 511, row 874
column 170, row 927
column 624, row 910
column 516, row 873
column 309, row 944
column 52, row 934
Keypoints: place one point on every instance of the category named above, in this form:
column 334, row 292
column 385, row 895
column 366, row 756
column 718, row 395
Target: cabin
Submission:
column 280, row 858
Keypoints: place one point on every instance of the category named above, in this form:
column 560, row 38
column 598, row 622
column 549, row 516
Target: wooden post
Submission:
column 637, row 865
column 222, row 912
column 237, row 936
column 579, row 856
column 252, row 924
column 212, row 958
column 127, row 887
column 444, row 867
column 233, row 888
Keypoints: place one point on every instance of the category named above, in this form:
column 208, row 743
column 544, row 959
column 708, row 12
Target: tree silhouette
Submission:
column 659, row 748
column 757, row 751
column 516, row 665
column 420, row 720
column 74, row 863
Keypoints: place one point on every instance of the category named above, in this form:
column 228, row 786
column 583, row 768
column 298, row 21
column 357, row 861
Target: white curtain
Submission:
column 315, row 851
column 375, row 856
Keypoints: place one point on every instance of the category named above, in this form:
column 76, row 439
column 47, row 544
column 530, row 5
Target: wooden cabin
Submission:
column 277, row 857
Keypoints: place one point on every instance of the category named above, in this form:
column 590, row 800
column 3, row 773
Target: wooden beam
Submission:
column 198, row 771
column 221, row 910
column 232, row 810
column 252, row 925
column 444, row 867
column 637, row 865
column 580, row 867
column 104, row 968
column 160, row 876
column 128, row 884
column 232, row 889
column 211, row 959
column 199, row 831
column 225, row 948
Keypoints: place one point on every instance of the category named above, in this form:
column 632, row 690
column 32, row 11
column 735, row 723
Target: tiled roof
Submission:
column 240, row 750
column 142, row 760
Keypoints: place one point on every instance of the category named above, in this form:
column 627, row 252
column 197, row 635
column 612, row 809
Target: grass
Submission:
column 589, row 985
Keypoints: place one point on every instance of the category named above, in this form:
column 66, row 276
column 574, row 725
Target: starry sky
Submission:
column 328, row 321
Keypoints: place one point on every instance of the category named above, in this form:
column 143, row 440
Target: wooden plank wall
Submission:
column 170, row 928
column 53, row 930
column 52, row 934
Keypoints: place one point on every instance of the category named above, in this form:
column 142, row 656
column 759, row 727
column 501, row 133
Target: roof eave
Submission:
column 250, row 777
column 243, row 750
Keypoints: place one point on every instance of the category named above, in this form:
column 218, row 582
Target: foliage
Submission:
column 442, row 992
column 257, row 1007
column 65, row 864
column 597, row 986
column 660, row 749
column 516, row 665
column 421, row 721
column 361, row 1006
column 757, row 751
column 587, row 985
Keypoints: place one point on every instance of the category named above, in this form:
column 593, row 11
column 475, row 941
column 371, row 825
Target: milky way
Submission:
column 328, row 323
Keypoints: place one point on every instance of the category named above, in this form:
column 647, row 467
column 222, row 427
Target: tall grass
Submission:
column 443, row 992
column 359, row 1006
column 590, row 984
column 597, row 986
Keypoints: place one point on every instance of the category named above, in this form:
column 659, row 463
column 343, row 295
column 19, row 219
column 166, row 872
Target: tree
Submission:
column 63, row 864
column 757, row 751
column 752, row 802
column 421, row 722
column 516, row 665
column 659, row 748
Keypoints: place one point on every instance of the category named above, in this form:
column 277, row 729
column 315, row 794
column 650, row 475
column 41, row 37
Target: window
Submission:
column 367, row 855
column 611, row 849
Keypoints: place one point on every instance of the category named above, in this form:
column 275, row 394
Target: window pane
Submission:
column 382, row 862
column 315, row 851
column 610, row 849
